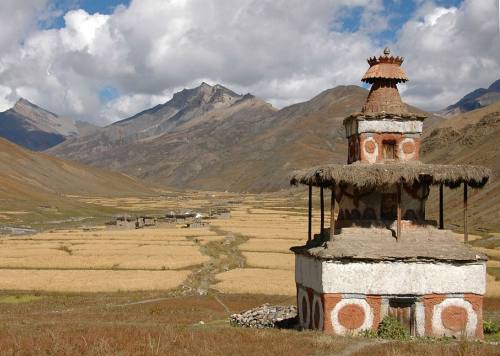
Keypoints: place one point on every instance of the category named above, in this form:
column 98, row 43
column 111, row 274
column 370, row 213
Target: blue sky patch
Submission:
column 59, row 7
column 108, row 93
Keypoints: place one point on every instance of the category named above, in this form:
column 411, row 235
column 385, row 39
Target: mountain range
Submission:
column 30, row 126
column 476, row 99
column 212, row 138
column 469, row 138
column 209, row 132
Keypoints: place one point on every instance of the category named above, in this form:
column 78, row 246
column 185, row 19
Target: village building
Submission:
column 381, row 255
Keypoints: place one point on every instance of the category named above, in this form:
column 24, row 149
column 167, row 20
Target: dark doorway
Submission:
column 403, row 309
column 388, row 208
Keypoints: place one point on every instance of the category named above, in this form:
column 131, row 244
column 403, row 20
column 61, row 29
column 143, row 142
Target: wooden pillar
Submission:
column 309, row 214
column 322, row 208
column 441, row 206
column 332, row 213
column 466, row 232
column 398, row 233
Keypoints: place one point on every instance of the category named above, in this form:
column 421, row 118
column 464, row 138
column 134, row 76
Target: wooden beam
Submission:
column 322, row 208
column 332, row 213
column 441, row 206
column 309, row 222
column 466, row 232
column 398, row 233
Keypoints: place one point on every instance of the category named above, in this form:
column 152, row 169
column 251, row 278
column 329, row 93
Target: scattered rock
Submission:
column 267, row 316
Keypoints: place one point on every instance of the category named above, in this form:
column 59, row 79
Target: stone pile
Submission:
column 266, row 316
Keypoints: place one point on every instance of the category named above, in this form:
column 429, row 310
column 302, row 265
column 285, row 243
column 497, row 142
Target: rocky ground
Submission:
column 267, row 316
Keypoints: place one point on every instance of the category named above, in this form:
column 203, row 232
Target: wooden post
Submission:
column 398, row 234
column 322, row 208
column 466, row 233
column 309, row 222
column 332, row 213
column 441, row 204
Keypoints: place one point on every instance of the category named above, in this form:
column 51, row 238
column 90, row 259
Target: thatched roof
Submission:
column 364, row 175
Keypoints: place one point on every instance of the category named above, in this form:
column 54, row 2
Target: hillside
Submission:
column 210, row 132
column 474, row 100
column 212, row 138
column 470, row 138
column 36, row 182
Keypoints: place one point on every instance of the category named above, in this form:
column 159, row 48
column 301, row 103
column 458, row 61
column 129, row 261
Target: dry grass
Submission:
column 111, row 325
column 270, row 245
column 423, row 348
column 89, row 280
column 491, row 253
column 256, row 281
column 104, row 262
column 104, row 325
column 207, row 239
column 272, row 260
column 151, row 249
column 492, row 287
column 493, row 263
column 165, row 234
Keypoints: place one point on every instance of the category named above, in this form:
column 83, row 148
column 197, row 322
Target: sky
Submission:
column 105, row 60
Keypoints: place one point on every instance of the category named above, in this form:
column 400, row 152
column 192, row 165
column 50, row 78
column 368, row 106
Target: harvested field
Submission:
column 491, row 253
column 145, row 249
column 268, row 245
column 270, row 260
column 493, row 263
column 492, row 287
column 102, row 254
column 89, row 281
column 257, row 281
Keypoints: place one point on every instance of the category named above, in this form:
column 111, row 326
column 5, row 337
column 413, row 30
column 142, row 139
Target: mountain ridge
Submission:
column 35, row 128
column 476, row 99
column 207, row 132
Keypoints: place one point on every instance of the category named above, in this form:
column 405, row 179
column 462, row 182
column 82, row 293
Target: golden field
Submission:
column 262, row 228
column 85, row 281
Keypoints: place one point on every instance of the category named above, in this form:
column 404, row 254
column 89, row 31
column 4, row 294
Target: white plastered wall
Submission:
column 390, row 278
column 380, row 126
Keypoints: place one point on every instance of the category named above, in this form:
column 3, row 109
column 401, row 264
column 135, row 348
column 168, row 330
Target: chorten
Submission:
column 381, row 255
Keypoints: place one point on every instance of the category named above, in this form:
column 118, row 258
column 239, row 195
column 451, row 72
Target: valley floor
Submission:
column 100, row 290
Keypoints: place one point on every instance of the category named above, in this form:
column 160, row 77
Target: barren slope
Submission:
column 32, row 181
column 470, row 138
column 211, row 138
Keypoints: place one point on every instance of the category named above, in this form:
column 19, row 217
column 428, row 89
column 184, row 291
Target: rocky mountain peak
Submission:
column 44, row 120
column 205, row 94
column 27, row 108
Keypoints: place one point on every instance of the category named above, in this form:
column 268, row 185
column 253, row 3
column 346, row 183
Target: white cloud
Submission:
column 281, row 50
column 450, row 52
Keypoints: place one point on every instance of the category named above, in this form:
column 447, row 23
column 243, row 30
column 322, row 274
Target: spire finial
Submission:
column 387, row 51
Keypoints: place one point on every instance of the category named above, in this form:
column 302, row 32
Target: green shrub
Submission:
column 490, row 327
column 368, row 333
column 391, row 328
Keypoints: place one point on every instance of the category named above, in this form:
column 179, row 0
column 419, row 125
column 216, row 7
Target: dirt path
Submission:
column 224, row 256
